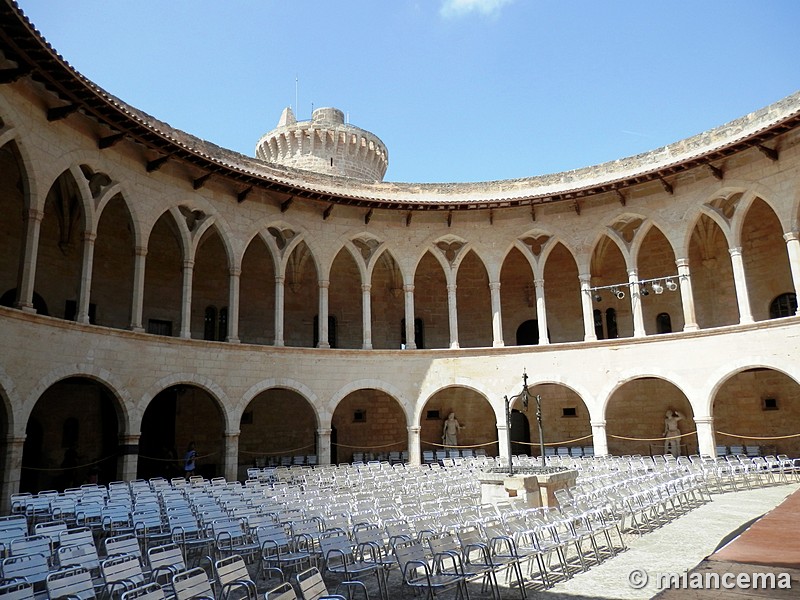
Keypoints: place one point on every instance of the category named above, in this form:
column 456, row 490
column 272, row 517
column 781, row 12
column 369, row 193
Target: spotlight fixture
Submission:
column 671, row 285
column 644, row 291
column 598, row 298
column 619, row 293
column 657, row 288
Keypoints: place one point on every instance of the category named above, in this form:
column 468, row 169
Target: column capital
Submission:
column 279, row 279
column 89, row 236
column 494, row 286
column 235, row 271
column 324, row 431
column 585, row 278
column 140, row 250
column 15, row 440
column 414, row 429
column 598, row 423
column 451, row 288
column 704, row 420
column 188, row 263
column 408, row 288
column 538, row 282
column 633, row 273
column 735, row 251
column 232, row 434
column 366, row 287
column 34, row 214
column 791, row 236
column 682, row 262
column 324, row 284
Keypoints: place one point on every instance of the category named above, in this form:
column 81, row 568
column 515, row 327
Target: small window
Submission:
column 770, row 404
column 159, row 327
column 569, row 411
column 611, row 323
column 784, row 305
column 360, row 415
column 598, row 323
column 210, row 323
column 432, row 415
column 663, row 323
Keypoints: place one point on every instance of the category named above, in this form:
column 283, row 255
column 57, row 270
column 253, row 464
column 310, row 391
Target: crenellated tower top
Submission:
column 325, row 144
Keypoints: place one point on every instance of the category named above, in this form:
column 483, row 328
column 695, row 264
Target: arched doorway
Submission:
column 474, row 414
column 370, row 425
column 266, row 440
column 73, row 436
column 175, row 417
column 635, row 418
column 565, row 420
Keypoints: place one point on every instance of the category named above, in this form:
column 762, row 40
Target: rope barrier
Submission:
column 451, row 446
column 58, row 469
column 750, row 437
column 368, row 447
column 658, row 439
column 278, row 453
column 175, row 459
column 562, row 443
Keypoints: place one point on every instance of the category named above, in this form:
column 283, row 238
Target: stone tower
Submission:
column 325, row 144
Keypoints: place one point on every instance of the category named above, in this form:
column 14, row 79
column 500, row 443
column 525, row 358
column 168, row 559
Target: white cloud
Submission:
column 458, row 8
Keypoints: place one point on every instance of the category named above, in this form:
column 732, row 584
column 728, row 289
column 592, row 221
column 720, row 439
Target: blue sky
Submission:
column 458, row 90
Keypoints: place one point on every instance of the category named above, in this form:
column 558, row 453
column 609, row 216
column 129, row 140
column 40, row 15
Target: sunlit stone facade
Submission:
column 158, row 290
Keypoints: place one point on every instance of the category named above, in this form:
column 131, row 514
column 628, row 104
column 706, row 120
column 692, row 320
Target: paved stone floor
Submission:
column 677, row 547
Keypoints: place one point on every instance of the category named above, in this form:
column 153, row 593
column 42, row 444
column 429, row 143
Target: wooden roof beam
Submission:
column 666, row 185
column 200, row 181
column 157, row 163
column 59, row 112
column 109, row 140
column 286, row 204
column 770, row 153
column 11, row 75
column 242, row 196
column 327, row 212
column 716, row 171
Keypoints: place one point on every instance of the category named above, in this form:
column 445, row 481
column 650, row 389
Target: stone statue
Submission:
column 450, row 430
column 672, row 445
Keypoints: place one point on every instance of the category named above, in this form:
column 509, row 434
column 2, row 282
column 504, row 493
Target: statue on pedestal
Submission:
column 450, row 430
column 672, row 443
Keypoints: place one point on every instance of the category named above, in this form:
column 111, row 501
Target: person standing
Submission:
column 189, row 460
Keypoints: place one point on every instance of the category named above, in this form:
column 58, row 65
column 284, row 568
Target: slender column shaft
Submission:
column 324, row 446
column 740, row 281
column 84, row 295
column 706, row 439
column 233, row 306
column 541, row 312
column 687, row 297
column 589, row 334
column 12, row 471
column 27, row 261
column 636, row 303
column 128, row 461
column 411, row 342
column 497, row 316
column 137, row 298
column 324, row 285
column 280, row 290
column 502, row 440
column 186, row 304
column 231, row 456
column 366, row 315
column 452, row 311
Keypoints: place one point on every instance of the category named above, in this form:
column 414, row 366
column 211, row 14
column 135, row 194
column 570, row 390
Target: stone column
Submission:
column 599, row 439
column 366, row 315
column 12, row 470
column 414, row 445
column 128, row 461
column 230, row 459
column 280, row 290
column 452, row 311
column 186, row 302
column 137, row 299
column 740, row 281
column 84, row 294
column 497, row 315
column 793, row 249
column 589, row 334
column 706, row 439
column 502, row 440
column 233, row 306
column 411, row 342
column 687, row 296
column 541, row 312
column 324, row 446
column 27, row 264
column 636, row 303
column 322, row 319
